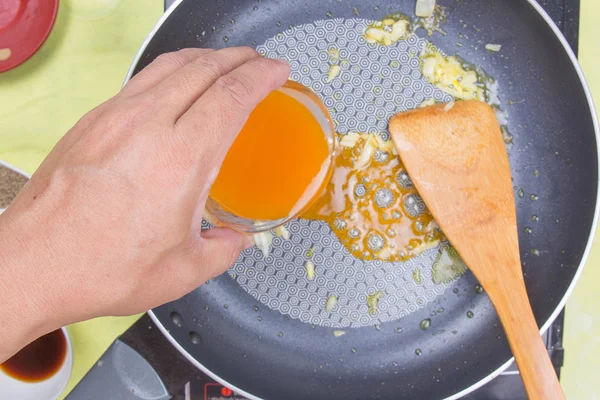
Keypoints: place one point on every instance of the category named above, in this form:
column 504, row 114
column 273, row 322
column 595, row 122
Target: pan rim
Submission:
column 561, row 304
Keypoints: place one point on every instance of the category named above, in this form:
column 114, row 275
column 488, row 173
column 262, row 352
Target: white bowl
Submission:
column 48, row 389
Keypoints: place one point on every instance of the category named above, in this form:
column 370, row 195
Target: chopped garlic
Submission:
column 372, row 142
column 424, row 246
column 424, row 8
column 373, row 301
column 349, row 139
column 448, row 106
column 433, row 22
column 339, row 333
column 334, row 54
column 399, row 30
column 334, row 71
column 367, row 152
column 426, row 103
column 417, row 276
column 447, row 266
column 310, row 270
column 373, row 35
column 389, row 33
column 387, row 145
column 506, row 136
column 282, row 232
column 493, row 47
column 431, row 226
column 331, row 303
column 449, row 74
column 263, row 241
column 428, row 68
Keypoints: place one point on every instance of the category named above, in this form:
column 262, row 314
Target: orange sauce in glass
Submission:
column 370, row 203
column 277, row 155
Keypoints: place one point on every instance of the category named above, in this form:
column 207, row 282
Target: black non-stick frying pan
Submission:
column 261, row 329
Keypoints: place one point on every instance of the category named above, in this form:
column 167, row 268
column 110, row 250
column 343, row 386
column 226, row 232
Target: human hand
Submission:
column 110, row 222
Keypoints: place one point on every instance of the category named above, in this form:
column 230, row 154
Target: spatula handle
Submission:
column 537, row 371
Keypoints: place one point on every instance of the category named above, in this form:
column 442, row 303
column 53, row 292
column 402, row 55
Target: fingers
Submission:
column 163, row 66
column 179, row 91
column 214, row 252
column 212, row 123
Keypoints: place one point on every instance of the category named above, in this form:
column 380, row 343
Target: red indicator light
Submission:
column 226, row 391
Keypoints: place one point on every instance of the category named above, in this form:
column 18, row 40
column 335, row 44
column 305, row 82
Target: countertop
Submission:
column 84, row 62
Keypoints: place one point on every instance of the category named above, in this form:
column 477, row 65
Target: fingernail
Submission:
column 282, row 61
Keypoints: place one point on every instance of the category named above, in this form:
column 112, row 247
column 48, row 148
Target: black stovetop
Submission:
column 508, row 385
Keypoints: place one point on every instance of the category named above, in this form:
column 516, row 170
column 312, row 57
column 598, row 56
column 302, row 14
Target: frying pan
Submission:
column 261, row 329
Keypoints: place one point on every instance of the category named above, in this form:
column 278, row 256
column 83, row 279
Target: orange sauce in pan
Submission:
column 372, row 206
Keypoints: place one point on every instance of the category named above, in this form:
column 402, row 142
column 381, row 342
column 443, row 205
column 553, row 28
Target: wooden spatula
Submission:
column 456, row 157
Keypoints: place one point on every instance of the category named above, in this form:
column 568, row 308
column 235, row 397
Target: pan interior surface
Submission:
column 263, row 326
column 374, row 83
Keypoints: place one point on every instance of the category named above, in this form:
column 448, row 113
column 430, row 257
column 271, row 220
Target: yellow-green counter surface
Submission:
column 83, row 63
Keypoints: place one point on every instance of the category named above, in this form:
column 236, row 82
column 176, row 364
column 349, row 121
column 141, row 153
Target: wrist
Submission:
column 28, row 307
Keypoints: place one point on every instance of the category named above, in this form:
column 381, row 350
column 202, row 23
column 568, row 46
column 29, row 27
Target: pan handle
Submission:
column 140, row 364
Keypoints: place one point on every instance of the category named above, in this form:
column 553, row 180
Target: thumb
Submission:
column 218, row 250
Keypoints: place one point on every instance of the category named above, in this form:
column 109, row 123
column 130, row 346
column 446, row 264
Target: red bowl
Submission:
column 24, row 26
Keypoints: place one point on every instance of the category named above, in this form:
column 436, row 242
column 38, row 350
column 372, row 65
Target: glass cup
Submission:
column 219, row 216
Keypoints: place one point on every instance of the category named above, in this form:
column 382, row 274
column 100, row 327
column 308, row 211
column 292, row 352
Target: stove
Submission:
column 508, row 385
